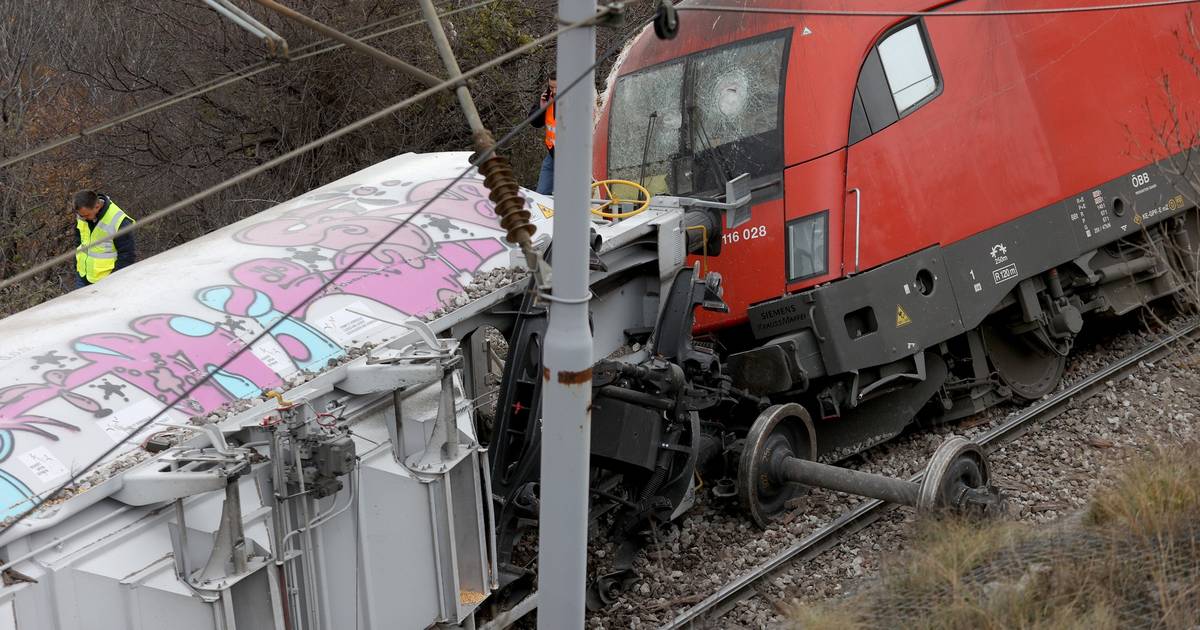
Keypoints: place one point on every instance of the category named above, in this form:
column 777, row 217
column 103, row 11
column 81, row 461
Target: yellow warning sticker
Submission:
column 902, row 318
column 546, row 212
column 1137, row 218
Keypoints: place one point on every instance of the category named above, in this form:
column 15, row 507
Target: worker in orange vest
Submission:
column 545, row 183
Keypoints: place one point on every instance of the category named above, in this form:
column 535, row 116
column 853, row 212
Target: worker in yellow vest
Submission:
column 97, row 218
column 545, row 183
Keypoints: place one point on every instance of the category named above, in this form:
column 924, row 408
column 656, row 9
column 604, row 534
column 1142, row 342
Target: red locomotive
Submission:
column 938, row 201
column 937, row 204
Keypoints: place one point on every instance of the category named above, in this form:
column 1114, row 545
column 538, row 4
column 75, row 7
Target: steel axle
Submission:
column 778, row 459
column 819, row 475
column 956, row 478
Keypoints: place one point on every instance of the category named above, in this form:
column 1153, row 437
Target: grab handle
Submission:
column 857, row 223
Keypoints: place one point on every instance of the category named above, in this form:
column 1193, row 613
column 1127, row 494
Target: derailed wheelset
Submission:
column 778, row 461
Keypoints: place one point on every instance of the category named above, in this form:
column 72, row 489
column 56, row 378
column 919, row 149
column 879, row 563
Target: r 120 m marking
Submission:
column 1007, row 272
column 745, row 234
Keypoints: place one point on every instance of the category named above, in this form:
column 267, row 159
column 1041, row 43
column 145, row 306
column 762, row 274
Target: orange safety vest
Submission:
column 550, row 126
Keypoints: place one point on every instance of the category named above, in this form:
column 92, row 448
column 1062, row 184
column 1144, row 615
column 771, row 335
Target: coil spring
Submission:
column 504, row 192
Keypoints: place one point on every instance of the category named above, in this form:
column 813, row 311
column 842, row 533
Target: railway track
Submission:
column 716, row 605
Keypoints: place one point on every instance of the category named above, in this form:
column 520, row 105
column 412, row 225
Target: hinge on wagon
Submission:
column 187, row 471
column 408, row 364
column 417, row 358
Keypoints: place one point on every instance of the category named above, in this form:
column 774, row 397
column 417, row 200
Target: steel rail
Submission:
column 871, row 510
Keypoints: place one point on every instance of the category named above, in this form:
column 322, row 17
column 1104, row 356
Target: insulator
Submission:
column 505, row 193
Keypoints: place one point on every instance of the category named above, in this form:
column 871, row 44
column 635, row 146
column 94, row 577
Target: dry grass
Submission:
column 1131, row 561
column 1153, row 497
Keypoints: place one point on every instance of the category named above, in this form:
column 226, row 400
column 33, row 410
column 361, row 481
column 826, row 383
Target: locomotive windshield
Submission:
column 686, row 126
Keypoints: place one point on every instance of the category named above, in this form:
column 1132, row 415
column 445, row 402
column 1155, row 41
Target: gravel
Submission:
column 481, row 284
column 1046, row 475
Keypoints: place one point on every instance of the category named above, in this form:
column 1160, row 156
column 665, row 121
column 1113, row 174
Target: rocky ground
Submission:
column 1047, row 474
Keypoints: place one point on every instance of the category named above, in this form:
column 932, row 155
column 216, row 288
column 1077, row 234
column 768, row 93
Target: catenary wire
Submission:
column 935, row 12
column 233, row 77
column 475, row 162
column 158, row 215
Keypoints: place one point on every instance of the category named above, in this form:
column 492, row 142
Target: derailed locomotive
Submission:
column 937, row 206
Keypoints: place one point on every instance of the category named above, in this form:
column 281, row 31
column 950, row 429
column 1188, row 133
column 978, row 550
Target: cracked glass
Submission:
column 687, row 126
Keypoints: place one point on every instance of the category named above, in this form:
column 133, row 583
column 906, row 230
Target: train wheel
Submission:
column 1027, row 367
column 957, row 476
column 779, row 432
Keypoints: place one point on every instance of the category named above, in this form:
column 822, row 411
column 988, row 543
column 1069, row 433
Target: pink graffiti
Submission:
column 465, row 200
column 408, row 271
column 17, row 400
column 166, row 355
column 412, row 285
column 174, row 354
column 169, row 355
column 342, row 222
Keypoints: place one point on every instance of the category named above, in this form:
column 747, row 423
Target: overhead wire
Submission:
column 934, row 12
column 474, row 163
column 280, row 159
column 233, row 77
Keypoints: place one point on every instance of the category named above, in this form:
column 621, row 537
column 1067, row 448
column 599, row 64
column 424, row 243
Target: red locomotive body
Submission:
column 937, row 199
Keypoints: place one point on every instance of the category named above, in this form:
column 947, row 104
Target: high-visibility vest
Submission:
column 94, row 262
column 550, row 126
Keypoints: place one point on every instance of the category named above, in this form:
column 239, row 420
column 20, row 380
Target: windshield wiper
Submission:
column 715, row 160
column 651, row 127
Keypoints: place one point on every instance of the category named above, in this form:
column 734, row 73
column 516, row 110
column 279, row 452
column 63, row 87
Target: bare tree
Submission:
column 66, row 66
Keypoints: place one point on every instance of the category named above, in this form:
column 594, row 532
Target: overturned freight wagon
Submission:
column 300, row 485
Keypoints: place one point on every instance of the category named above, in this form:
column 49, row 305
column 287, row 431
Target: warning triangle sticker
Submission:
column 902, row 318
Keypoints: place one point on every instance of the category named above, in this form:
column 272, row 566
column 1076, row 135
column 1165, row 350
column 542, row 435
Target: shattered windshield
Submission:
column 687, row 126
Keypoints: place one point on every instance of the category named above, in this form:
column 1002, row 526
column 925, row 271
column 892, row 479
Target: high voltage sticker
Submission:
column 902, row 318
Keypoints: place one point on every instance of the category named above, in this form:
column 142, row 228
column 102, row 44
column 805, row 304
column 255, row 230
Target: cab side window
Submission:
column 899, row 76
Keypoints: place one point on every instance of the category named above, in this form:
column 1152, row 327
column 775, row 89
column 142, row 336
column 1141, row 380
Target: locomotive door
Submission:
column 898, row 77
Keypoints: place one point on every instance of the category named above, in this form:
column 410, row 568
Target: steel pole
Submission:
column 567, row 390
column 447, row 54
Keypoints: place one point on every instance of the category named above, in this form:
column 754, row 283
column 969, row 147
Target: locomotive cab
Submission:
column 758, row 97
column 935, row 212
